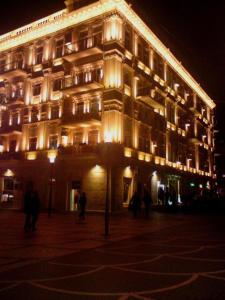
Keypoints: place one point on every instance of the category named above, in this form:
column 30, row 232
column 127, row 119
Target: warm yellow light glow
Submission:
column 128, row 172
column 141, row 155
column 61, row 20
column 65, row 140
column 113, row 71
column 157, row 160
column 112, row 126
column 1, row 148
column 41, row 141
column 9, row 173
column 113, row 28
column 127, row 152
column 97, row 171
column 52, row 156
column 31, row 155
column 147, row 157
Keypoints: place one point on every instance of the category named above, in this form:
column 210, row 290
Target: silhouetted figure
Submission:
column 31, row 207
column 167, row 196
column 147, row 202
column 82, row 205
column 135, row 204
column 161, row 196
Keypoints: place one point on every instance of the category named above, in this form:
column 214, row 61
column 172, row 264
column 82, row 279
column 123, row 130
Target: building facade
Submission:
column 92, row 100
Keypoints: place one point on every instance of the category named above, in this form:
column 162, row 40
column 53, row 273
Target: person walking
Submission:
column 135, row 204
column 147, row 202
column 82, row 205
column 31, row 207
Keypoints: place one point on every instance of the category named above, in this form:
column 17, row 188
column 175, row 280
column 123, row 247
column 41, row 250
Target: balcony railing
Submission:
column 78, row 149
column 11, row 155
column 92, row 117
column 154, row 101
column 82, row 48
column 15, row 68
column 6, row 128
column 83, row 82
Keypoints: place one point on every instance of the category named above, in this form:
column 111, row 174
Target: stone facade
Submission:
column 90, row 95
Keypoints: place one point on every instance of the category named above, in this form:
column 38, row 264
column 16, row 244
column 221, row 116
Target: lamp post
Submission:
column 52, row 161
column 108, row 188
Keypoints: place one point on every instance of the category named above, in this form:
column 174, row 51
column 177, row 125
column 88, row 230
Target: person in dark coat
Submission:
column 82, row 205
column 31, row 207
column 147, row 202
column 135, row 204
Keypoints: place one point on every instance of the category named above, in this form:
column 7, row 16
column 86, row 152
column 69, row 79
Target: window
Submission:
column 128, row 40
column 15, row 119
column 59, row 48
column 57, row 84
column 68, row 37
column 2, row 65
column 127, row 78
column 55, row 112
column 33, row 144
column 80, row 107
column 39, row 54
column 78, row 138
column 95, row 106
column 158, row 65
column 128, row 132
column 93, row 137
column 12, row 145
column 53, row 141
column 37, row 89
column 83, row 40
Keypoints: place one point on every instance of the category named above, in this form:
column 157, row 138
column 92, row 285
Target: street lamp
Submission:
column 108, row 187
column 52, row 161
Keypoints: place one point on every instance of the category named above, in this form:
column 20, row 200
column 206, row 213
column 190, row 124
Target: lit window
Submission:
column 53, row 142
column 39, row 55
column 33, row 144
column 37, row 89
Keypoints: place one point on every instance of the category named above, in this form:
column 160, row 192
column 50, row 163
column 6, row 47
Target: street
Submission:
column 166, row 257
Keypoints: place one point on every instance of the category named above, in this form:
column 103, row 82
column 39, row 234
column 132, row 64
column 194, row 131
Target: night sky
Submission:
column 193, row 30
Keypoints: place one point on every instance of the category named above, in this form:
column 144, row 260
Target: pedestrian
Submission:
column 31, row 207
column 147, row 202
column 82, row 205
column 161, row 196
column 76, row 200
column 135, row 204
column 167, row 197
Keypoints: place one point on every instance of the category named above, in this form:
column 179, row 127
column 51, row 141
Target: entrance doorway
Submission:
column 127, row 190
column 74, row 194
column 11, row 193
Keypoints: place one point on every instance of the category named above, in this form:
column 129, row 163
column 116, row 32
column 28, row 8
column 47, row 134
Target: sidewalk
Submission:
column 167, row 257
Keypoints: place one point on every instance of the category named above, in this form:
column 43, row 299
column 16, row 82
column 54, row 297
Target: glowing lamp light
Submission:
column 52, row 157
column 1, row 148
column 9, row 173
column 154, row 173
column 31, row 156
column 127, row 152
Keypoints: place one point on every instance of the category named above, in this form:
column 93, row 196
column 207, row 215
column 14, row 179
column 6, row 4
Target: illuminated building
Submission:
column 90, row 89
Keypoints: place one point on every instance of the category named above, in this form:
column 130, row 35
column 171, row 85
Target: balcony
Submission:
column 195, row 140
column 195, row 111
column 11, row 155
column 84, row 82
column 14, row 69
column 7, row 129
column 145, row 95
column 83, row 48
column 81, row 149
column 90, row 118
